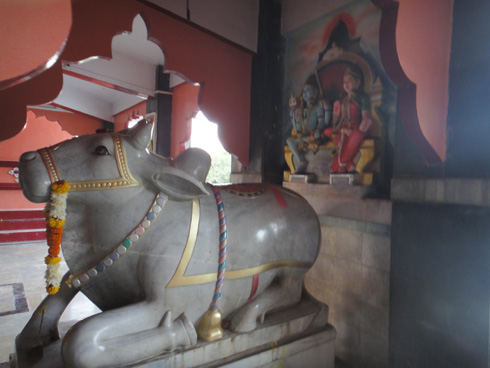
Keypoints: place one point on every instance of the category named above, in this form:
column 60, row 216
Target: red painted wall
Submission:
column 33, row 45
column 184, row 108
column 39, row 131
column 121, row 119
column 73, row 123
column 423, row 37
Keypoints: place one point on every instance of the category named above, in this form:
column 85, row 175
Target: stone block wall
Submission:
column 352, row 272
column 352, row 275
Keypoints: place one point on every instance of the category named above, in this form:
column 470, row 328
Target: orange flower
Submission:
column 53, row 236
column 54, row 251
column 54, row 230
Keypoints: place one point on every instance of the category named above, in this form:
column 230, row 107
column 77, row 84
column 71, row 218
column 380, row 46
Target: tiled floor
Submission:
column 22, row 289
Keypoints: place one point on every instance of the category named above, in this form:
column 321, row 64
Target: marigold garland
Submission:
column 55, row 214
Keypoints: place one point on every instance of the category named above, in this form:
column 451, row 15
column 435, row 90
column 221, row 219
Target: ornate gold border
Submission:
column 125, row 181
column 179, row 278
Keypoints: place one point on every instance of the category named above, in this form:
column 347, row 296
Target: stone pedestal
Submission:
column 286, row 338
column 319, row 163
column 348, row 179
column 302, row 178
column 352, row 271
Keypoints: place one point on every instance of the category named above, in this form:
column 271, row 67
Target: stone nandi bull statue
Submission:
column 145, row 241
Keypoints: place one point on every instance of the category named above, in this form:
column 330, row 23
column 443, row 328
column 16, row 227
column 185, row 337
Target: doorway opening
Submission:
column 205, row 136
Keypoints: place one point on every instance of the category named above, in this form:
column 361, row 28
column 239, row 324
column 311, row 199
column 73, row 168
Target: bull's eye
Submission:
column 101, row 151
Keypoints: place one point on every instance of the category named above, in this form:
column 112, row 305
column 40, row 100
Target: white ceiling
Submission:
column 132, row 70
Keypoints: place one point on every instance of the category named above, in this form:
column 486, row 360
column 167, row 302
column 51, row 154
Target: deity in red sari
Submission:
column 350, row 123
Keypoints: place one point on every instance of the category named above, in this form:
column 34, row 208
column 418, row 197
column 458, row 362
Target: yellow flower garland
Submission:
column 55, row 214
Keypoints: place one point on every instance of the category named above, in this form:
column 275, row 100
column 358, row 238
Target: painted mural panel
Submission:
column 329, row 127
column 306, row 43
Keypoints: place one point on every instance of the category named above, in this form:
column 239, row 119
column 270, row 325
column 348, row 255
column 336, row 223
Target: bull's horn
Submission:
column 141, row 134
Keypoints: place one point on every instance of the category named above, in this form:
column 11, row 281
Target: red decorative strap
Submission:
column 48, row 161
column 255, row 285
column 281, row 201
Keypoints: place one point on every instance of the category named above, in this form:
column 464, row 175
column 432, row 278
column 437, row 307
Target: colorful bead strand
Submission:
column 209, row 328
column 222, row 250
column 121, row 249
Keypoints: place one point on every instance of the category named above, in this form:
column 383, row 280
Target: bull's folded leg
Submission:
column 284, row 291
column 125, row 335
column 42, row 328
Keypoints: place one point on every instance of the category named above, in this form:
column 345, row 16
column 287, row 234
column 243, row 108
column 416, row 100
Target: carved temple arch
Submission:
column 222, row 69
column 407, row 90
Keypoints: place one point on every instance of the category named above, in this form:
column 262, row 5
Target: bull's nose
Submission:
column 28, row 156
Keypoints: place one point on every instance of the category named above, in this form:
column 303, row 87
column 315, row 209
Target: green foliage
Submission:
column 220, row 169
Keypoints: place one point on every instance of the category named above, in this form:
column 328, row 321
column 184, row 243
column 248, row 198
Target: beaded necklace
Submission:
column 122, row 248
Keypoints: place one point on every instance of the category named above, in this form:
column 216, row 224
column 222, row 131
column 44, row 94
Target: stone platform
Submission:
column 299, row 336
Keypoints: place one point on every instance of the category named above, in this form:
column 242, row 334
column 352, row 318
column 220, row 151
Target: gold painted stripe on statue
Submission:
column 121, row 161
column 80, row 186
column 189, row 246
column 180, row 279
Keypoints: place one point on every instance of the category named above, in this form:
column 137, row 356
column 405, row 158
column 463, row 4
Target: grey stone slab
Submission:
column 354, row 225
column 348, row 343
column 341, row 303
column 375, row 319
column 346, row 309
column 434, row 190
column 376, row 287
column 376, row 250
column 377, row 211
column 374, row 350
column 6, row 299
column 313, row 351
column 342, row 243
column 473, row 192
column 327, row 245
column 465, row 191
column 344, row 275
column 407, row 188
column 319, row 290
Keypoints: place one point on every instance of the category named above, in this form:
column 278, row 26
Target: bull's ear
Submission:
column 194, row 161
column 179, row 185
column 141, row 134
